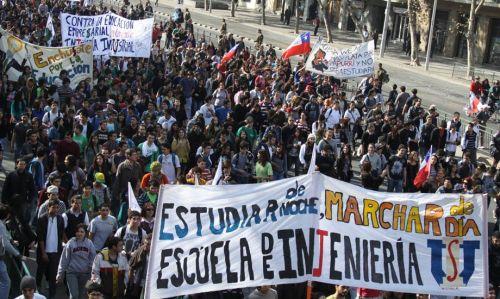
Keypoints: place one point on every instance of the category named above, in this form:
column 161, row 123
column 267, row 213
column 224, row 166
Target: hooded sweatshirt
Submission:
column 77, row 257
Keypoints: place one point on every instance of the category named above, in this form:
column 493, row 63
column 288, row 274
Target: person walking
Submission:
column 223, row 27
column 76, row 262
column 102, row 227
column 19, row 192
column 50, row 237
column 260, row 38
column 110, row 269
column 316, row 23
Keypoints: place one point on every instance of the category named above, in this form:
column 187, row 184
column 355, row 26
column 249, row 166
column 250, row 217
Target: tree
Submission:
column 358, row 16
column 471, row 36
column 233, row 7
column 327, row 7
column 206, row 4
column 412, row 25
column 263, row 12
column 423, row 15
column 297, row 17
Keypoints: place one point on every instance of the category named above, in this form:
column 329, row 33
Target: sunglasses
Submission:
column 149, row 209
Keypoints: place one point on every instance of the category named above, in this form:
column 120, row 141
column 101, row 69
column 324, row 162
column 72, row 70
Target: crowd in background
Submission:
column 169, row 119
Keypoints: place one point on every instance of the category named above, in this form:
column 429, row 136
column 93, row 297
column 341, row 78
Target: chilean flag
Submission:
column 301, row 45
column 229, row 55
column 424, row 171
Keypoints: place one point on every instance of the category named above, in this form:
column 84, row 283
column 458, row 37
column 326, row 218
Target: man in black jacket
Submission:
column 50, row 232
column 19, row 192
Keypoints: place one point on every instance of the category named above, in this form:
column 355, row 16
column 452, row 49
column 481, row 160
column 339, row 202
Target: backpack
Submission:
column 172, row 155
column 124, row 230
column 48, row 115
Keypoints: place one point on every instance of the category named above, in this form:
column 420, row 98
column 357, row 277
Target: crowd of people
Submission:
column 169, row 119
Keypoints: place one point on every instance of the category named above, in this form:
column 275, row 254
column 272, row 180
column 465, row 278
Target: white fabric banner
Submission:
column 357, row 61
column 46, row 62
column 313, row 227
column 111, row 34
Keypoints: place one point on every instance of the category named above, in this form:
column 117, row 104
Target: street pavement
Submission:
column 435, row 86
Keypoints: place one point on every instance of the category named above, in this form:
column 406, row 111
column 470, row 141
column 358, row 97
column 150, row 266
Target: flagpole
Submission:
column 309, row 289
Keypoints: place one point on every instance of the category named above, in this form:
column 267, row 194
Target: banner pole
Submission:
column 309, row 289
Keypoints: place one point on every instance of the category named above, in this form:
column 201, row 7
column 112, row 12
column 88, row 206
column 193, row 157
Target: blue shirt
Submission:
column 221, row 113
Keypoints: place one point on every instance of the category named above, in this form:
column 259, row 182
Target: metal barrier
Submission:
column 460, row 71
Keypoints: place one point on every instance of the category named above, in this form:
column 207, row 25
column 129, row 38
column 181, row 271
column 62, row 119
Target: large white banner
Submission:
column 111, row 34
column 313, row 227
column 46, row 62
column 345, row 63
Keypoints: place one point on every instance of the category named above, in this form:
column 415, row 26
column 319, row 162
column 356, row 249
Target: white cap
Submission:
column 53, row 189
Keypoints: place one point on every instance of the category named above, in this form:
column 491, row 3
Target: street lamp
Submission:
column 431, row 34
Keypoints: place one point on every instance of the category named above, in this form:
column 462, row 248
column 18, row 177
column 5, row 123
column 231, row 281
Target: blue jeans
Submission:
column 75, row 282
column 394, row 185
column 4, row 281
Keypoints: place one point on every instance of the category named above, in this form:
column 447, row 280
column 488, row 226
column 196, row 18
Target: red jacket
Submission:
column 476, row 88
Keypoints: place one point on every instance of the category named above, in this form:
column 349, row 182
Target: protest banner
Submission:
column 345, row 63
column 46, row 62
column 110, row 34
column 313, row 227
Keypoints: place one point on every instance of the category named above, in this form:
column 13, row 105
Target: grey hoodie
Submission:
column 77, row 257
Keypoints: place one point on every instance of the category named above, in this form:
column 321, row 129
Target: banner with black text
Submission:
column 313, row 227
column 357, row 61
column 45, row 62
column 110, row 34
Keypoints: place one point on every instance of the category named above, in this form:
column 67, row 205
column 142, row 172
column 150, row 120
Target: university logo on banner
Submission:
column 109, row 33
column 46, row 62
column 315, row 228
column 357, row 61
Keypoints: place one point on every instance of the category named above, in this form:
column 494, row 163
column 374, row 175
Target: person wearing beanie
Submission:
column 76, row 262
column 306, row 151
column 28, row 289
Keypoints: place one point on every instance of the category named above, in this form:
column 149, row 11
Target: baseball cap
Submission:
column 53, row 190
column 111, row 101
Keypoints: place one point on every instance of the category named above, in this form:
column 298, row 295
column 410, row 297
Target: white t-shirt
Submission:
column 51, row 240
column 50, row 117
column 148, row 150
column 168, row 167
column 36, row 296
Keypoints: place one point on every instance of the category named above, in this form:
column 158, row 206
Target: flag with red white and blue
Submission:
column 300, row 46
column 424, row 170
